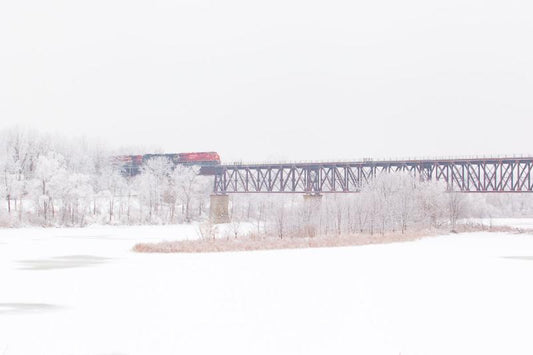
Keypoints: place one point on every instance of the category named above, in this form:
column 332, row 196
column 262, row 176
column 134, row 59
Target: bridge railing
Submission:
column 383, row 159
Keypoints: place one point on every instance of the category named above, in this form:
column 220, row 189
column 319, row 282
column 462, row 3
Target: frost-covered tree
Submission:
column 53, row 180
column 111, row 187
column 10, row 184
column 187, row 186
column 76, row 199
column 431, row 204
column 456, row 207
column 153, row 183
column 49, row 176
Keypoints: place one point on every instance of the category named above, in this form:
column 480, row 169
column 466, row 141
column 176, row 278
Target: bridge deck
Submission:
column 491, row 175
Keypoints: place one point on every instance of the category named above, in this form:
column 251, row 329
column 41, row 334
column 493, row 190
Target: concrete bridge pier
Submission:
column 219, row 209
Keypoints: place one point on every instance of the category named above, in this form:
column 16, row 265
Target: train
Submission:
column 130, row 165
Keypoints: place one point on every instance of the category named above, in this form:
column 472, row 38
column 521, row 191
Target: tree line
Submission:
column 55, row 181
column 390, row 203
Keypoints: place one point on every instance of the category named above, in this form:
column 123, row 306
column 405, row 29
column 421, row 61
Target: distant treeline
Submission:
column 56, row 181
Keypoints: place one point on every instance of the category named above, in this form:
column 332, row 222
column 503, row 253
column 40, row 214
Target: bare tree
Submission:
column 207, row 230
column 49, row 174
column 186, row 184
column 456, row 207
column 280, row 218
column 235, row 226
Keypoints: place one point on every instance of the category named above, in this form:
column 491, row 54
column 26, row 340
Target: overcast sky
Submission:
column 278, row 79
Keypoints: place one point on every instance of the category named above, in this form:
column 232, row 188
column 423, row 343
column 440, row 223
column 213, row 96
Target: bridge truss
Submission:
column 502, row 175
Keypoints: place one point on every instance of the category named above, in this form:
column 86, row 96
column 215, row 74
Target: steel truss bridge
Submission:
column 491, row 175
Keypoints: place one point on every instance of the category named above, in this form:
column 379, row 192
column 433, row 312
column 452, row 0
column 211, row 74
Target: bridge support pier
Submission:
column 219, row 209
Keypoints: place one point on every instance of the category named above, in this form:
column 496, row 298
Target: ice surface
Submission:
column 458, row 294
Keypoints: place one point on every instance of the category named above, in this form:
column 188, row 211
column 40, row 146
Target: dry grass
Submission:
column 476, row 227
column 269, row 243
column 264, row 242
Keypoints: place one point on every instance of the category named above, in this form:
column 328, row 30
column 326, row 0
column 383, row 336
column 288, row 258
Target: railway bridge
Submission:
column 469, row 175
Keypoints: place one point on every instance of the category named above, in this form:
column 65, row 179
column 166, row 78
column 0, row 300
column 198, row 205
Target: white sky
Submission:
column 279, row 79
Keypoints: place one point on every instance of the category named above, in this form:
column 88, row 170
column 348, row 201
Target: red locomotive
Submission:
column 204, row 157
column 131, row 164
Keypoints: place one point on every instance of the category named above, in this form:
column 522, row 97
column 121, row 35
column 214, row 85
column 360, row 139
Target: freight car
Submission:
column 130, row 165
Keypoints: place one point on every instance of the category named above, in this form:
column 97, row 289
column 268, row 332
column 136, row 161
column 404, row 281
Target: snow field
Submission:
column 455, row 294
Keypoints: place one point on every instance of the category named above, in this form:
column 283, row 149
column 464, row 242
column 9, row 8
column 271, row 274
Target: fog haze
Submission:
column 289, row 80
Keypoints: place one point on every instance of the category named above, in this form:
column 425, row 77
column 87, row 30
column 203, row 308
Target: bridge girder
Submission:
column 465, row 175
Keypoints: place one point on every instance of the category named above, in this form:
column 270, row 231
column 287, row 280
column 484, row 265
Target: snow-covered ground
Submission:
column 524, row 223
column 82, row 291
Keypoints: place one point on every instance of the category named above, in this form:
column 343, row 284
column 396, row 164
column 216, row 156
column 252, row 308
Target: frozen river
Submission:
column 82, row 291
